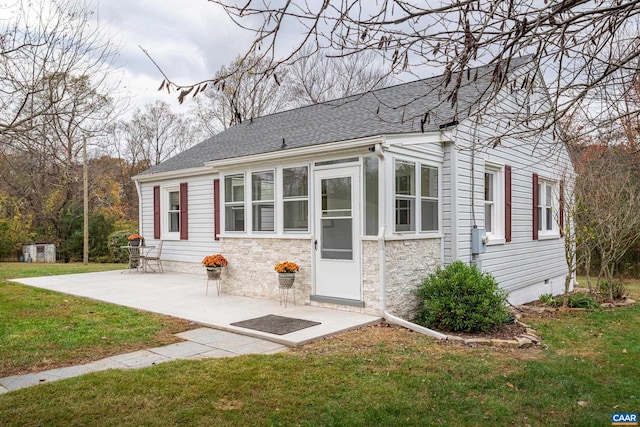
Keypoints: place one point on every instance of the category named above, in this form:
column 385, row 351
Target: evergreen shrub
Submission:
column 460, row 297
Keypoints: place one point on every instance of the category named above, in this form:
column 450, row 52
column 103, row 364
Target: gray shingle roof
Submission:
column 393, row 110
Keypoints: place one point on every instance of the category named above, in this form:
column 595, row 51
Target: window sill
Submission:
column 494, row 241
column 408, row 236
column 170, row 236
column 548, row 236
column 239, row 235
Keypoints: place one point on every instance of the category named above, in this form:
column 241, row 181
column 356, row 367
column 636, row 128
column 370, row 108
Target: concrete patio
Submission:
column 183, row 295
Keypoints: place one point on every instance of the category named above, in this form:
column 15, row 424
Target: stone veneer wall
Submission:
column 250, row 271
column 371, row 277
column 407, row 263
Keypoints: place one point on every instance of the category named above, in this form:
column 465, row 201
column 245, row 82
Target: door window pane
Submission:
column 336, row 197
column 337, row 238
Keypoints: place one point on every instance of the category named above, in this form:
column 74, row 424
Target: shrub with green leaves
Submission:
column 460, row 297
column 618, row 289
column 550, row 300
column 580, row 300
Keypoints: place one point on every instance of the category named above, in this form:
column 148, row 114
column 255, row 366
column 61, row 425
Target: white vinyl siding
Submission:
column 523, row 263
column 201, row 234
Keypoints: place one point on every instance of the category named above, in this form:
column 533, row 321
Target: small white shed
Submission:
column 39, row 252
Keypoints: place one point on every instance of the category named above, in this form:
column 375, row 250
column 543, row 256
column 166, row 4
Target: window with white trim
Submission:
column 413, row 180
column 234, row 202
column 429, row 198
column 405, row 191
column 547, row 205
column 494, row 201
column 295, row 194
column 173, row 211
column 263, row 201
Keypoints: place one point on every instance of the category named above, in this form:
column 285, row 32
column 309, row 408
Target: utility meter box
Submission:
column 478, row 245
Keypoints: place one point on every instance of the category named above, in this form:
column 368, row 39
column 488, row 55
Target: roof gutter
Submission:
column 312, row 150
column 179, row 173
column 390, row 318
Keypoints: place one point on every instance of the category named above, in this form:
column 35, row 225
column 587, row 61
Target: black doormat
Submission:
column 278, row 325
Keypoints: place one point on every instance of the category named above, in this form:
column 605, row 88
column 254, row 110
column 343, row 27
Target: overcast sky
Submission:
column 189, row 39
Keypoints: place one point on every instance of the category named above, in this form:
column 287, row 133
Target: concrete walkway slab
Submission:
column 183, row 295
column 221, row 344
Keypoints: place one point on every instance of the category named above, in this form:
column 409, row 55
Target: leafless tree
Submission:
column 316, row 78
column 241, row 92
column 608, row 196
column 39, row 42
column 570, row 42
column 154, row 134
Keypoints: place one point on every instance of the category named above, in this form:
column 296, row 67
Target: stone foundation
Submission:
column 408, row 262
column 251, row 261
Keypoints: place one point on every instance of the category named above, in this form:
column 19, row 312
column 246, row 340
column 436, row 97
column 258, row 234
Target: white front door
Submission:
column 337, row 233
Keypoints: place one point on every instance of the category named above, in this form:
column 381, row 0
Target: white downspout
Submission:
column 140, row 224
column 390, row 318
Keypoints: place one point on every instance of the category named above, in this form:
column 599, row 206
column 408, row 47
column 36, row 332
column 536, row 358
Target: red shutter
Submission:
column 156, row 212
column 536, row 220
column 216, row 209
column 561, row 219
column 507, row 203
column 184, row 209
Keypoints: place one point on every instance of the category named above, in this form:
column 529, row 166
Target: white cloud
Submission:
column 189, row 39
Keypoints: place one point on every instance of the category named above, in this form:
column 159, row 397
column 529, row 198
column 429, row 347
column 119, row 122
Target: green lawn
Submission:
column 40, row 329
column 588, row 368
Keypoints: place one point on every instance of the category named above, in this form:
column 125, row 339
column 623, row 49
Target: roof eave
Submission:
column 287, row 153
column 178, row 173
